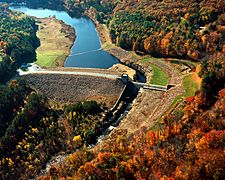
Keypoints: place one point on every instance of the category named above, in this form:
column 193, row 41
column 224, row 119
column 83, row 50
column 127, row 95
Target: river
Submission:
column 86, row 50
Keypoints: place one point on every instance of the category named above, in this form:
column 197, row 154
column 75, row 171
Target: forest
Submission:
column 180, row 29
column 189, row 143
column 177, row 29
column 18, row 41
column 32, row 132
column 168, row 28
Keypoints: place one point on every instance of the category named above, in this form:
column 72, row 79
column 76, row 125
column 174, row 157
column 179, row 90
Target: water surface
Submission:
column 86, row 50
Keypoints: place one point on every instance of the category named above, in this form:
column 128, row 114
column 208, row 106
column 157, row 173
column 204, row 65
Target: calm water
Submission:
column 86, row 51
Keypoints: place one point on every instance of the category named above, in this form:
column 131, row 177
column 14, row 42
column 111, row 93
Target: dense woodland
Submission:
column 187, row 144
column 168, row 28
column 32, row 132
column 18, row 41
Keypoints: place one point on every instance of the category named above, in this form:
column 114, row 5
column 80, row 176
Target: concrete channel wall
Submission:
column 124, row 79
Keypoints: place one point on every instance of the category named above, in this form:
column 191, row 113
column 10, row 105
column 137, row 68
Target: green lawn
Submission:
column 49, row 58
column 190, row 85
column 159, row 77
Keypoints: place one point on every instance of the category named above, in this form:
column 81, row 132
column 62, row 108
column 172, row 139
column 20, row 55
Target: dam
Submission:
column 71, row 85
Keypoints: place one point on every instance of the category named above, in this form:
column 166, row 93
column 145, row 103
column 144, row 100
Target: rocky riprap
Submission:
column 73, row 88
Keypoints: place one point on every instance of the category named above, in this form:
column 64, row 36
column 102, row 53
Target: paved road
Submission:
column 73, row 73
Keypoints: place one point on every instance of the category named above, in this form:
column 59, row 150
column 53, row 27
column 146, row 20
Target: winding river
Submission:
column 86, row 50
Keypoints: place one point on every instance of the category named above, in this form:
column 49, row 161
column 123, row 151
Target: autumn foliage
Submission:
column 181, row 29
column 191, row 146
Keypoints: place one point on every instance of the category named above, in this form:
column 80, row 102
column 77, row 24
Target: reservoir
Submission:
column 86, row 51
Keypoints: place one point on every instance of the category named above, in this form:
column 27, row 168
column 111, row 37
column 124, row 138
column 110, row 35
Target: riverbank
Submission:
column 148, row 107
column 56, row 40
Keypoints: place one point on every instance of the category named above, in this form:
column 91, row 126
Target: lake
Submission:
column 86, row 50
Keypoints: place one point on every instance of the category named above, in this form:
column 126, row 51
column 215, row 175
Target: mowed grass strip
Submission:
column 49, row 58
column 191, row 84
column 159, row 77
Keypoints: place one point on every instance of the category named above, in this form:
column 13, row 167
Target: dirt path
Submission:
column 79, row 73
column 103, row 33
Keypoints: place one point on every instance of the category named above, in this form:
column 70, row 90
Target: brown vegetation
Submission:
column 178, row 29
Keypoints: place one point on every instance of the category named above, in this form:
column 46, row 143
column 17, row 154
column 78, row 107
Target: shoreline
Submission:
column 56, row 41
column 142, row 103
column 148, row 107
column 127, row 58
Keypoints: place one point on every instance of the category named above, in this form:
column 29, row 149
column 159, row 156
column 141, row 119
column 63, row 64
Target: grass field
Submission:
column 159, row 76
column 191, row 84
column 55, row 44
column 49, row 58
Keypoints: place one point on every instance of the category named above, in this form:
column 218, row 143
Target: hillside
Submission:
column 168, row 28
column 18, row 41
column 32, row 131
column 181, row 29
column 164, row 136
column 187, row 144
